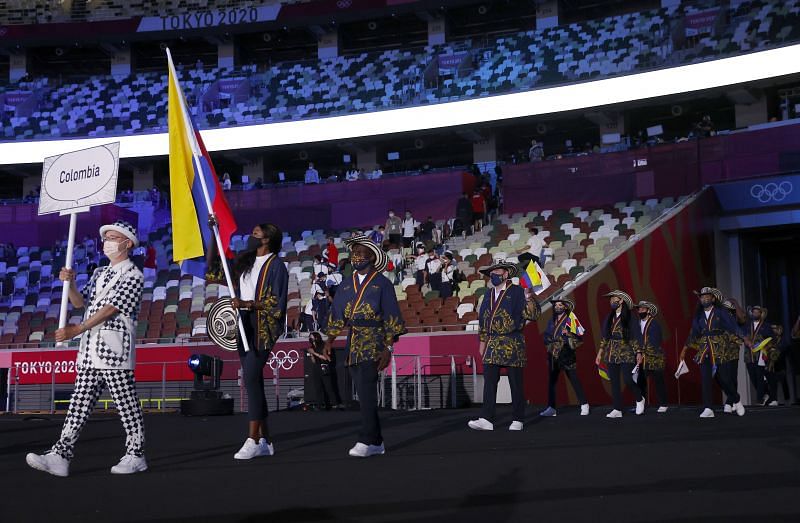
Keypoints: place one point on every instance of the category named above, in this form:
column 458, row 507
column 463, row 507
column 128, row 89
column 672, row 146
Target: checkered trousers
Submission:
column 89, row 384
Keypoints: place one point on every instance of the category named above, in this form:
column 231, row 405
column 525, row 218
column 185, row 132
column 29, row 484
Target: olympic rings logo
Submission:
column 283, row 359
column 772, row 191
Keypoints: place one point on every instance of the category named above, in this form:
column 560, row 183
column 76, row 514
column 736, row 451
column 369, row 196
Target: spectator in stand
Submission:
column 464, row 215
column 320, row 267
column 536, row 152
column 332, row 281
column 448, row 275
column 419, row 266
column 351, row 175
column 312, row 176
column 478, row 203
column 324, row 373
column 150, row 265
column 226, row 182
column 534, row 249
column 320, row 303
column 394, row 228
column 433, row 267
column 426, row 232
column 331, row 254
column 377, row 173
column 378, row 236
column 410, row 226
column 704, row 127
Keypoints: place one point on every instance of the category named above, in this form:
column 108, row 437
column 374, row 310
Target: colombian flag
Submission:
column 602, row 370
column 189, row 166
column 574, row 325
column 761, row 346
column 534, row 278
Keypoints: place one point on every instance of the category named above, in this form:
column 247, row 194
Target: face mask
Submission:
column 615, row 306
column 253, row 243
column 360, row 264
column 112, row 249
column 643, row 315
column 496, row 279
column 559, row 310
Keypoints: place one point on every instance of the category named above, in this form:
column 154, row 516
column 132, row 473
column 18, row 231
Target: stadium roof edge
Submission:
column 652, row 84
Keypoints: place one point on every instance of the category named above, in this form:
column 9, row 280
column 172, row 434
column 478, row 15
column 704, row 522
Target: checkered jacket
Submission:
column 110, row 345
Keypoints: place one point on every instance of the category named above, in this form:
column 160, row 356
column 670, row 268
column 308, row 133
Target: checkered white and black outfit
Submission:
column 107, row 356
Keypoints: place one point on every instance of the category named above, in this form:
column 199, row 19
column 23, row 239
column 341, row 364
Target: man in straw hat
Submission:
column 758, row 330
column 106, row 356
column 651, row 362
column 618, row 349
column 504, row 311
column 561, row 337
column 712, row 327
column 730, row 354
column 366, row 305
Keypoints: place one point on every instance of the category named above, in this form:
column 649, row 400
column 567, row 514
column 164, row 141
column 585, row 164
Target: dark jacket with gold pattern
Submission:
column 758, row 332
column 371, row 313
column 648, row 341
column 271, row 294
column 712, row 336
column 501, row 322
column 560, row 342
column 616, row 342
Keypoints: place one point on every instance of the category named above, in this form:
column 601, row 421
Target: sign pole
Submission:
column 62, row 316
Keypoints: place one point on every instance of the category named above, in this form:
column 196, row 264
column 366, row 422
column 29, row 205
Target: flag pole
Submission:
column 207, row 198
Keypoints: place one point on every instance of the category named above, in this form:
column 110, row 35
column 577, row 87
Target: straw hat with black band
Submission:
column 652, row 308
column 568, row 304
column 381, row 259
column 712, row 291
column 512, row 268
column 622, row 295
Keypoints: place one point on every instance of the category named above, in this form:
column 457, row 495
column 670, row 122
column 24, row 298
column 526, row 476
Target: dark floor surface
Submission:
column 671, row 467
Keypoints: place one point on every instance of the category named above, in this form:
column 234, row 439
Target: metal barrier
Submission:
column 415, row 361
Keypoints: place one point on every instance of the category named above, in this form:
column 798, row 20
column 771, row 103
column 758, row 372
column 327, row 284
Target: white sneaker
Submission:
column 480, row 424
column 662, row 410
column 51, row 463
column 773, row 403
column 251, row 449
column 515, row 425
column 585, row 409
column 738, row 408
column 130, row 464
column 727, row 409
column 362, row 450
column 640, row 407
column 614, row 414
column 707, row 413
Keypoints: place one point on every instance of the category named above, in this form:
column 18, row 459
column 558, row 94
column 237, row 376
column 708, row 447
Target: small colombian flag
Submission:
column 602, row 370
column 761, row 346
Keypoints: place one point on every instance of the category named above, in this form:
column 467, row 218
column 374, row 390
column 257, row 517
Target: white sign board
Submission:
column 80, row 179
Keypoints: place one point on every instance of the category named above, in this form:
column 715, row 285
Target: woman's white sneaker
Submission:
column 614, row 414
column 251, row 449
column 515, row 425
column 662, row 409
column 585, row 409
column 480, row 424
column 707, row 413
column 362, row 450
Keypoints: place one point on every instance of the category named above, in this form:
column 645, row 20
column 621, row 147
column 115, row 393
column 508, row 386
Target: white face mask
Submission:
column 113, row 249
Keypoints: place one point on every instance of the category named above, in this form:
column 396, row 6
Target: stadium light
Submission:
column 206, row 399
column 641, row 86
column 205, row 366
